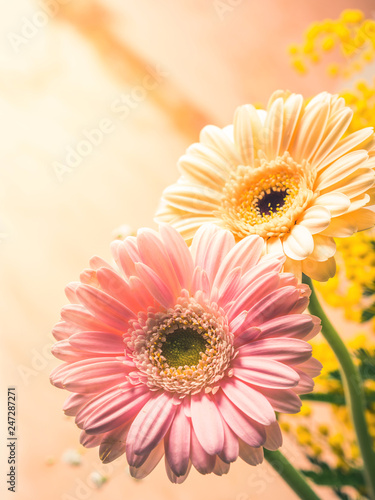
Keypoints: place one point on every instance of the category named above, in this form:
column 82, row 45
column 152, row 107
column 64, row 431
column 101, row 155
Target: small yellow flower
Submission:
column 352, row 16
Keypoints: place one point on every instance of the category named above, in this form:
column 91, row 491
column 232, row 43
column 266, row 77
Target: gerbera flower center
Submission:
column 183, row 350
column 267, row 198
column 272, row 201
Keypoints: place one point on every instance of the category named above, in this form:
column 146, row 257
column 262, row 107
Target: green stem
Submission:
column 353, row 388
column 290, row 475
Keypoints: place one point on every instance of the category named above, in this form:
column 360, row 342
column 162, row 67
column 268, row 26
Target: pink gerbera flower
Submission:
column 184, row 352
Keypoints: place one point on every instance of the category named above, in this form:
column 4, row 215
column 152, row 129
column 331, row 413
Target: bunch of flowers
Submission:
column 351, row 35
column 188, row 343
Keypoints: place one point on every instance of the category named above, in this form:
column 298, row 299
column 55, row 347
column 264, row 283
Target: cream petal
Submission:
column 273, row 129
column 359, row 202
column 341, row 227
column 322, row 97
column 218, row 140
column 315, row 219
column 365, row 218
column 341, row 168
column 299, row 243
column 246, row 129
column 284, row 94
column 198, row 170
column 212, row 156
column 355, row 184
column 194, row 199
column 319, row 271
column 274, row 245
column 292, row 111
column 294, row 267
column 345, row 145
column 324, row 248
column 337, row 203
column 310, row 132
column 262, row 114
column 336, row 127
column 188, row 226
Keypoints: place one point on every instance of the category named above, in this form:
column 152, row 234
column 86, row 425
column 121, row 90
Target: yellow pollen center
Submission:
column 268, row 197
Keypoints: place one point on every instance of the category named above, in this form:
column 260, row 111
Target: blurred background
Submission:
column 98, row 99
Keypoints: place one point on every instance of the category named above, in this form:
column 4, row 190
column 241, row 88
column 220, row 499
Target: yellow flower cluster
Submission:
column 362, row 101
column 334, row 441
column 355, row 255
column 355, row 273
column 351, row 35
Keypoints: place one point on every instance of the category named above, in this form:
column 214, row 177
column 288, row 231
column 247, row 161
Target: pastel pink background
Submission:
column 67, row 78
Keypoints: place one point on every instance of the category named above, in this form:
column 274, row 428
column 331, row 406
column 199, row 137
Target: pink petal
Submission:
column 207, row 424
column 74, row 402
column 250, row 454
column 220, row 467
column 141, row 294
column 246, row 336
column 90, row 441
column 202, row 461
column 70, row 292
column 305, row 385
column 152, row 423
column 57, row 375
column 98, row 343
column 88, row 277
column 258, row 289
column 245, row 254
column 284, row 350
column 172, row 476
column 157, row 288
column 245, row 428
column 312, row 367
column 177, row 443
column 283, row 401
column 201, row 243
column 117, row 410
column 200, row 282
column 64, row 351
column 274, row 437
column 228, row 289
column 150, row 463
column 230, row 448
column 79, row 315
column 113, row 444
column 292, row 325
column 122, row 257
column 277, row 303
column 264, row 372
column 104, row 307
column 95, row 374
column 249, row 400
column 95, row 401
column 97, row 262
column 265, row 266
column 118, row 288
column 221, row 243
column 179, row 254
column 63, row 330
column 153, row 254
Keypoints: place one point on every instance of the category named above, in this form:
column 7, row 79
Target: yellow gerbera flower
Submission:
column 286, row 174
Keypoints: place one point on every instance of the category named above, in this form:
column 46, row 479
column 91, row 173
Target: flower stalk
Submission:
column 353, row 388
column 290, row 475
